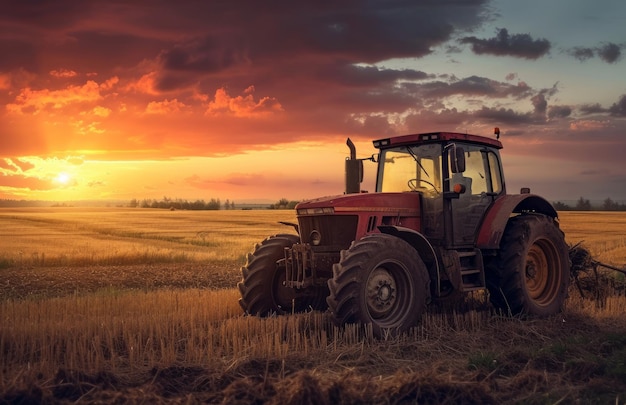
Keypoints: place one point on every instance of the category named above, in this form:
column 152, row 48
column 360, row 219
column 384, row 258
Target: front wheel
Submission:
column 262, row 290
column 530, row 274
column 382, row 281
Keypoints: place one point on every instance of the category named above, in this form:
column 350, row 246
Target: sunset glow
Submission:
column 63, row 178
column 189, row 100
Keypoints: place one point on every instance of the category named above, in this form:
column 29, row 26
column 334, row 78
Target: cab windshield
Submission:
column 410, row 168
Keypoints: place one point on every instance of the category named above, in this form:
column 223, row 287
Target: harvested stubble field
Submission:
column 140, row 306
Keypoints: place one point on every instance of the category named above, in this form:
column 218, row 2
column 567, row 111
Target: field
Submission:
column 140, row 306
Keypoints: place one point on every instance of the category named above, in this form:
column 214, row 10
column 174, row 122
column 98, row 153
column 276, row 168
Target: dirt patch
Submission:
column 47, row 282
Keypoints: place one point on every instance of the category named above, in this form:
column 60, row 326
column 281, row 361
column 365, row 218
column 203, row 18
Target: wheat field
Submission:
column 139, row 305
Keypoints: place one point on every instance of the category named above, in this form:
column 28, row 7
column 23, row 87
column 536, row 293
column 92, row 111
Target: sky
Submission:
column 246, row 100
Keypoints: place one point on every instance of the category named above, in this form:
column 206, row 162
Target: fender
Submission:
column 503, row 208
column 420, row 243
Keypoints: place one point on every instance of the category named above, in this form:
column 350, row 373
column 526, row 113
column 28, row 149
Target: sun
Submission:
column 63, row 178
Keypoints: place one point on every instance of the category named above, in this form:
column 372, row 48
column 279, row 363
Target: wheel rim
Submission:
column 542, row 272
column 388, row 294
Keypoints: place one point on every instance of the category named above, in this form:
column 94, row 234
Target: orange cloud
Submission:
column 109, row 83
column 164, row 107
column 34, row 101
column 243, row 106
column 101, row 111
column 16, row 165
column 587, row 125
column 63, row 73
column 24, row 182
column 146, row 84
column 5, row 81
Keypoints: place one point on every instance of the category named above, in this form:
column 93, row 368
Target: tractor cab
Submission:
column 458, row 176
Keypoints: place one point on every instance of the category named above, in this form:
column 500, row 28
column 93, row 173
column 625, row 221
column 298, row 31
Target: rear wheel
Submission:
column 262, row 290
column 531, row 271
column 382, row 281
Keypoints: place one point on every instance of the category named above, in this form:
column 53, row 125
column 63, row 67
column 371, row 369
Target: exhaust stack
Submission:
column 354, row 170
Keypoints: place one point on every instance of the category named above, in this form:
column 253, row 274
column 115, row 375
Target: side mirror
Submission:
column 456, row 157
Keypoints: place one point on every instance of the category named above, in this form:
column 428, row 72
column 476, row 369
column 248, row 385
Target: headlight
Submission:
column 315, row 237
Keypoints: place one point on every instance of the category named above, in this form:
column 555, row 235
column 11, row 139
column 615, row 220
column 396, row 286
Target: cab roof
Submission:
column 414, row 139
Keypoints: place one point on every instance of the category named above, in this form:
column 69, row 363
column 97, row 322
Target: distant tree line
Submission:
column 283, row 204
column 180, row 204
column 585, row 205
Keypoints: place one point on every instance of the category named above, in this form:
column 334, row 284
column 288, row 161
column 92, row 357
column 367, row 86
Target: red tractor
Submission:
column 439, row 224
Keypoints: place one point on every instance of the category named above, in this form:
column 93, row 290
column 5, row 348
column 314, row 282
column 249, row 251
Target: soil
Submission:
column 568, row 358
column 60, row 281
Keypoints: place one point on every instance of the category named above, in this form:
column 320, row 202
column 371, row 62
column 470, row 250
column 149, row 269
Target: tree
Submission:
column 583, row 205
column 610, row 205
column 213, row 204
column 559, row 206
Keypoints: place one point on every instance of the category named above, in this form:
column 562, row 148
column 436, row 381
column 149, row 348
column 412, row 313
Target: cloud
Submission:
column 30, row 100
column 503, row 44
column 63, row 73
column 619, row 109
column 581, row 53
column 243, row 106
column 164, row 107
column 592, row 109
column 559, row 111
column 19, row 181
column 540, row 104
column 608, row 52
column 14, row 165
column 588, row 125
column 473, row 86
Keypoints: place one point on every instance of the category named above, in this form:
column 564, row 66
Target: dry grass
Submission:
column 121, row 236
column 166, row 333
column 603, row 233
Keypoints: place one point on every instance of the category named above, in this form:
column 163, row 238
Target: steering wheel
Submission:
column 414, row 184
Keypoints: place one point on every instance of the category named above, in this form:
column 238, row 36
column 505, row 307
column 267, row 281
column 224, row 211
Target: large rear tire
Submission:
column 262, row 290
column 531, row 272
column 380, row 280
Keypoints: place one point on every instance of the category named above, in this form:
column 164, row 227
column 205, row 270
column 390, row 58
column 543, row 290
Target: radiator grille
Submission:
column 336, row 231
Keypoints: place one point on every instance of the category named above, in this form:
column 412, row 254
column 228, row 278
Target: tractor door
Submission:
column 481, row 182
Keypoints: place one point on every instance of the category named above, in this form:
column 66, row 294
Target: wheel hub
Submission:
column 381, row 292
column 531, row 272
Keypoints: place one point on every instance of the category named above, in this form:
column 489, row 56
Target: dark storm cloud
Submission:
column 592, row 109
column 608, row 52
column 504, row 44
column 241, row 40
column 367, row 76
column 302, row 39
column 581, row 53
column 478, row 86
column 617, row 109
column 503, row 116
column 559, row 111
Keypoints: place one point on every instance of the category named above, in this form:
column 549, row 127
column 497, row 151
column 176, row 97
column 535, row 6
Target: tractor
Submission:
column 439, row 224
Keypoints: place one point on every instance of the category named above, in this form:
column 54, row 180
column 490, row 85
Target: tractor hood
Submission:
column 393, row 203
